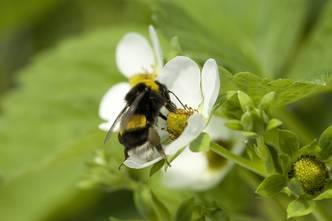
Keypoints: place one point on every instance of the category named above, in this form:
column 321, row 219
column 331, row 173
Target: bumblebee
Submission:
column 137, row 120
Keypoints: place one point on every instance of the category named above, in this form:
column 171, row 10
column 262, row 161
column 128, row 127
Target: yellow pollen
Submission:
column 177, row 121
column 311, row 173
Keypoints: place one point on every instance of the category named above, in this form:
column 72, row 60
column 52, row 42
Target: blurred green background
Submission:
column 57, row 60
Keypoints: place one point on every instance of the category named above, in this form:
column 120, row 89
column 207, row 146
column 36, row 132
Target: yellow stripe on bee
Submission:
column 136, row 121
column 147, row 79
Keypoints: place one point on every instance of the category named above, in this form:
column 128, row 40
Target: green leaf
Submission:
column 296, row 187
column 144, row 203
column 156, row 167
column 314, row 59
column 325, row 195
column 299, row 207
column 239, row 34
column 201, row 143
column 325, row 143
column 185, row 210
column 284, row 161
column 247, row 121
column 286, row 91
column 162, row 210
column 53, row 112
column 273, row 123
column 234, row 125
column 310, row 149
column 288, row 142
column 245, row 101
column 16, row 13
column 271, row 185
column 267, row 100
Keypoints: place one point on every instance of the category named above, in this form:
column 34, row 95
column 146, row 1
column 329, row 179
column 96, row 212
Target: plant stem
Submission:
column 319, row 213
column 252, row 166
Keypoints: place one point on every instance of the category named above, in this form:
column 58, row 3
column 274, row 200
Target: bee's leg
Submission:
column 126, row 157
column 170, row 106
column 154, row 139
column 162, row 116
column 162, row 153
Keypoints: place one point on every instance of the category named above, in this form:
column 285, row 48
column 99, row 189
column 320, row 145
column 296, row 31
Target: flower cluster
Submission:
column 196, row 91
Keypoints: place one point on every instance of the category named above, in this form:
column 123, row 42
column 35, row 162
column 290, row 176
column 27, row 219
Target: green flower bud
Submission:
column 311, row 173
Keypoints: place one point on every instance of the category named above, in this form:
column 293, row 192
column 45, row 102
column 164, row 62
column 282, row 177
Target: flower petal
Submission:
column 182, row 76
column 185, row 170
column 134, row 55
column 217, row 129
column 190, row 170
column 210, row 85
column 156, row 48
column 137, row 163
column 112, row 103
column 196, row 124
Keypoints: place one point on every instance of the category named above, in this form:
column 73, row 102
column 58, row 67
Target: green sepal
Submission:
column 273, row 123
column 310, row 149
column 149, row 206
column 264, row 153
column 300, row 207
column 247, row 121
column 201, row 143
column 271, row 185
column 144, row 204
column 288, row 142
column 156, row 167
column 234, row 125
column 185, row 210
column 231, row 106
column 285, row 164
column 324, row 195
column 267, row 100
column 245, row 101
column 163, row 212
column 295, row 187
column 325, row 143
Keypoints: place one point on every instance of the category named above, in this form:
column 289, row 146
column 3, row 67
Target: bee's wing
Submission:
column 124, row 115
column 109, row 133
column 131, row 110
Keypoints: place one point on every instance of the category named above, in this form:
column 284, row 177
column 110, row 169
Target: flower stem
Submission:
column 252, row 166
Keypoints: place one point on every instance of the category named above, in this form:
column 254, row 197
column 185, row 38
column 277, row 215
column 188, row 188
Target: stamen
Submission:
column 177, row 121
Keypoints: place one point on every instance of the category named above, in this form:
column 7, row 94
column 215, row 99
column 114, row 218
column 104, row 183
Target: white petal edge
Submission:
column 182, row 76
column 190, row 170
column 196, row 124
column 186, row 170
column 112, row 103
column 210, row 85
column 156, row 48
column 134, row 55
column 217, row 129
column 137, row 164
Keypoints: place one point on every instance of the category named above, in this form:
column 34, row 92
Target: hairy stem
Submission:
column 252, row 166
column 319, row 213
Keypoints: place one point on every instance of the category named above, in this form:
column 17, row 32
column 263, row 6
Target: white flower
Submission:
column 202, row 170
column 134, row 57
column 199, row 90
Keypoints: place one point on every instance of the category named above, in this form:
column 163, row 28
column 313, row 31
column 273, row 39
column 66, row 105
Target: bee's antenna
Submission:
column 184, row 106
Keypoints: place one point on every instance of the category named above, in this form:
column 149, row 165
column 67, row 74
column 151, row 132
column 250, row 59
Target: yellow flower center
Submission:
column 177, row 121
column 311, row 173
